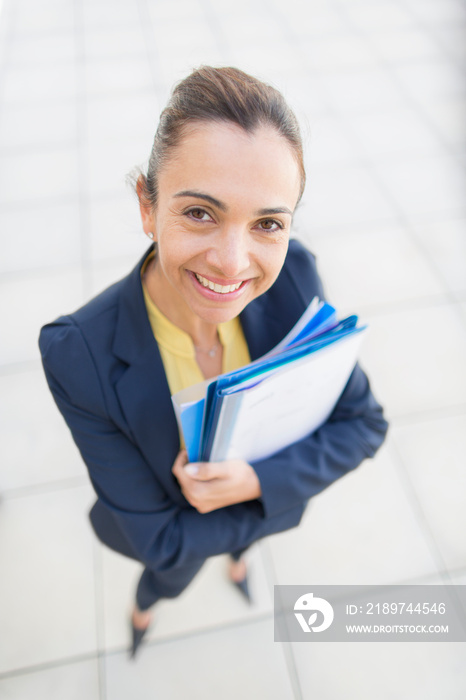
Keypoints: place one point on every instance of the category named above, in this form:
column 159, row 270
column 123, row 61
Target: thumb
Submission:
column 202, row 471
column 181, row 460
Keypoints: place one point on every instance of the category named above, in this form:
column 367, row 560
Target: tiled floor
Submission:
column 380, row 91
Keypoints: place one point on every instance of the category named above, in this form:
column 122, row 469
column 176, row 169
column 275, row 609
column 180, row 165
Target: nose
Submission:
column 230, row 253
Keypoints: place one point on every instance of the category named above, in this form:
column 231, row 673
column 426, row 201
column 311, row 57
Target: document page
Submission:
column 286, row 406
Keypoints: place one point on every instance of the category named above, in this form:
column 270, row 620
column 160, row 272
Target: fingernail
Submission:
column 191, row 469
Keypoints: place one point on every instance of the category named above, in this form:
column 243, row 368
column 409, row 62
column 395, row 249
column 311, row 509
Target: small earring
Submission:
column 151, row 235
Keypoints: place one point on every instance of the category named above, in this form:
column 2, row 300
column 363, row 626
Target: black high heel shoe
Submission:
column 243, row 586
column 137, row 637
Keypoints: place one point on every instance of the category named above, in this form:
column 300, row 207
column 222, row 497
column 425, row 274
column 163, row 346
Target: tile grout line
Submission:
column 287, row 648
column 417, row 509
column 6, row 21
column 99, row 617
column 46, row 488
column 222, row 42
column 148, row 32
column 82, row 150
column 85, row 244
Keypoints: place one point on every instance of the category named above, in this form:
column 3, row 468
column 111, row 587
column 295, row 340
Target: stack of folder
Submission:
column 261, row 408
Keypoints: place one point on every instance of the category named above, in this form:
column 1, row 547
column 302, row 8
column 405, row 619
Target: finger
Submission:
column 205, row 471
column 180, row 461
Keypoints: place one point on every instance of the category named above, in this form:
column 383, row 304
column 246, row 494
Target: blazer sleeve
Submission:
column 353, row 432
column 162, row 534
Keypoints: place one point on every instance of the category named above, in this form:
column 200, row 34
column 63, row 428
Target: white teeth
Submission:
column 218, row 287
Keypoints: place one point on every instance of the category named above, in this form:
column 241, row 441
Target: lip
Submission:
column 217, row 296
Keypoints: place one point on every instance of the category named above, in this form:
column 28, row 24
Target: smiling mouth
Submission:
column 214, row 287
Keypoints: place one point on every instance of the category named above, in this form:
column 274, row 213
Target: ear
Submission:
column 147, row 214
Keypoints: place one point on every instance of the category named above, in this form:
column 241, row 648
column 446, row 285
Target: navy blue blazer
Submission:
column 105, row 372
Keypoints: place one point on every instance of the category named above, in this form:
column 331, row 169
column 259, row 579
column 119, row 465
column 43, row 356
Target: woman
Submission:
column 220, row 285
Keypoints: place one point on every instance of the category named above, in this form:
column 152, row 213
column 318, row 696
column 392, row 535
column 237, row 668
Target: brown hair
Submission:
column 220, row 95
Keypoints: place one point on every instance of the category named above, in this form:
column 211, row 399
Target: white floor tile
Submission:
column 394, row 133
column 315, row 20
column 462, row 308
column 433, row 456
column 24, row 85
column 363, row 91
column 35, row 444
column 114, row 42
column 416, row 359
column 36, row 237
column 236, row 30
column 361, row 530
column 47, row 584
column 28, row 178
column 431, row 81
column 36, row 126
column 343, row 52
column 116, row 230
column 451, row 39
column 374, row 267
column 105, row 13
column 403, row 45
column 109, row 161
column 329, row 142
column 425, row 186
column 107, row 76
column 342, row 195
column 383, row 15
column 165, row 11
column 45, row 298
column 51, row 16
column 123, row 116
column 72, row 681
column 432, row 12
column 35, row 49
column 181, row 35
column 445, row 242
column 407, row 671
column 449, row 118
column 209, row 601
column 242, row 661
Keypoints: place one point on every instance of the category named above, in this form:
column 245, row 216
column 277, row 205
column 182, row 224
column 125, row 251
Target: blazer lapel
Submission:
column 142, row 389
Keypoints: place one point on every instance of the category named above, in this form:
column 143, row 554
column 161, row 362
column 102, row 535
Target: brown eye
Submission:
column 197, row 213
column 270, row 225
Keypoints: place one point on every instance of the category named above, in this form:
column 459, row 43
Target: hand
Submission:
column 211, row 485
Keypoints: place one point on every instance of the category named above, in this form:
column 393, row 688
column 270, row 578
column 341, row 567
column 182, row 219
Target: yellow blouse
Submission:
column 177, row 348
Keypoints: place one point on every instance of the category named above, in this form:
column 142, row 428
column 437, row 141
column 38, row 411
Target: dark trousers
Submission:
column 154, row 585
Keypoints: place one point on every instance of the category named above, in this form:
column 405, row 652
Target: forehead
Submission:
column 226, row 161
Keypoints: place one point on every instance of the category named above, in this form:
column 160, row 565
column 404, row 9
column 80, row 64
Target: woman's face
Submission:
column 222, row 221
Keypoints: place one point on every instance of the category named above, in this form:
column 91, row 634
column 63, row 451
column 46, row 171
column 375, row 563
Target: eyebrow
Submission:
column 223, row 207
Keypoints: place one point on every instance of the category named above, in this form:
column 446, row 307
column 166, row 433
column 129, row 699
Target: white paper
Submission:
column 287, row 406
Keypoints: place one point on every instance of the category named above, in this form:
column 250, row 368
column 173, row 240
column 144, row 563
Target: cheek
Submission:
column 272, row 263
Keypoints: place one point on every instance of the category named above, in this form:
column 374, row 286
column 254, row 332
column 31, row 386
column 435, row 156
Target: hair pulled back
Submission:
column 211, row 94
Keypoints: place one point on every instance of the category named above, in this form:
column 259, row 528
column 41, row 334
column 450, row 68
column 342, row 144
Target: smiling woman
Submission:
column 220, row 284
